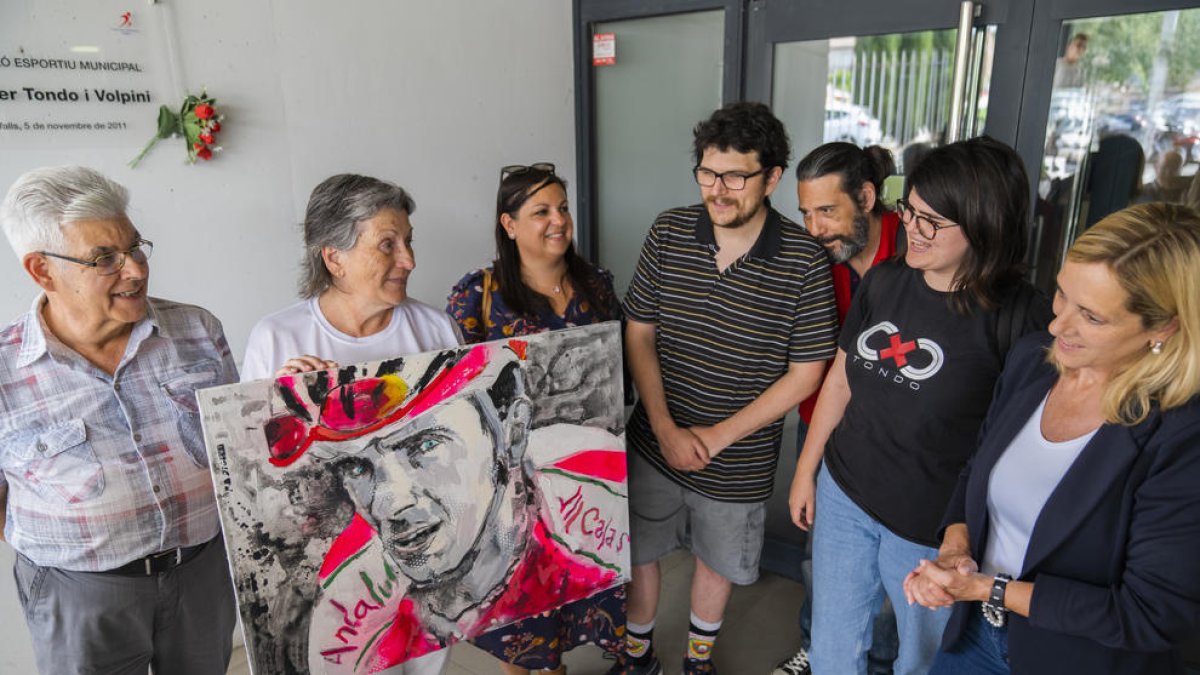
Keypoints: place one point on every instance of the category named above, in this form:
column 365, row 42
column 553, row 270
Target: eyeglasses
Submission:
column 925, row 225
column 111, row 263
column 732, row 180
column 517, row 169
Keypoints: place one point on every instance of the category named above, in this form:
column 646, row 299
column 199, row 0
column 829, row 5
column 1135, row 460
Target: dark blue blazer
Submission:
column 1115, row 553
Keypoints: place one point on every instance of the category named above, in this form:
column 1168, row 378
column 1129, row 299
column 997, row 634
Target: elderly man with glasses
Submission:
column 104, row 482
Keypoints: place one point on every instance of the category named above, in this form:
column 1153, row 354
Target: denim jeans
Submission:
column 884, row 641
column 982, row 650
column 856, row 562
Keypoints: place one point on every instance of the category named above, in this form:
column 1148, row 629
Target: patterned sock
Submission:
column 701, row 636
column 637, row 642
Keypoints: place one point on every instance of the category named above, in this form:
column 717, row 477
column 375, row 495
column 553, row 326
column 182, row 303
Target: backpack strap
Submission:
column 1011, row 319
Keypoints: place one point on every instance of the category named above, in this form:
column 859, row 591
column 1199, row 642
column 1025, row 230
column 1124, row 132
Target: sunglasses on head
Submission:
column 518, row 169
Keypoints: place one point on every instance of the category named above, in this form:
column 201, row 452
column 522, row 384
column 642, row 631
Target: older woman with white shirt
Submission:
column 355, row 306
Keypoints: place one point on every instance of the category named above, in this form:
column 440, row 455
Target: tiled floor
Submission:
column 760, row 630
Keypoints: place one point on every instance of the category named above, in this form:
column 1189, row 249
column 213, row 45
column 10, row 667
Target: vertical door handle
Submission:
column 962, row 62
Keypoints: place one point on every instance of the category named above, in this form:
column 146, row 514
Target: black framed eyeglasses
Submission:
column 925, row 225
column 732, row 180
column 112, row 262
column 517, row 169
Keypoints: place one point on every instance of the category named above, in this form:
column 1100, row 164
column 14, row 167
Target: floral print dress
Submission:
column 538, row 642
column 465, row 305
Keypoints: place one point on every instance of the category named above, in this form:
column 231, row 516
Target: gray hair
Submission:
column 335, row 208
column 44, row 200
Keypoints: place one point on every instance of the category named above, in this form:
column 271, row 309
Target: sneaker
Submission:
column 626, row 667
column 796, row 665
column 698, row 667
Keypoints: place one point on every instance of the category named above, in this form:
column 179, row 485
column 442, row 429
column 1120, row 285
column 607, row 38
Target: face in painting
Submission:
column 833, row 217
column 542, row 227
column 424, row 488
column 734, row 208
column 938, row 257
column 376, row 269
column 91, row 299
column 1092, row 327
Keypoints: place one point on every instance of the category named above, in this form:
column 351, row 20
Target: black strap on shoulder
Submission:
column 1011, row 319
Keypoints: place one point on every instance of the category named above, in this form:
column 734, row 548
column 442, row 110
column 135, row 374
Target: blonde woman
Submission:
column 1072, row 543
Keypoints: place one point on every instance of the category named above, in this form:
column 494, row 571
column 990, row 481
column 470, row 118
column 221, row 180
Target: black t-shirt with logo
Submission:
column 921, row 379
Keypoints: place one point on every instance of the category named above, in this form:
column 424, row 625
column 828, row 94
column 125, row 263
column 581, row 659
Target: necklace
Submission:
column 557, row 289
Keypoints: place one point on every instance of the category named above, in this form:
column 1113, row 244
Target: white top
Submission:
column 1021, row 482
column 302, row 329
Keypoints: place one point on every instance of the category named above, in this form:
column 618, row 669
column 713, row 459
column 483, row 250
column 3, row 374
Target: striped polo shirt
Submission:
column 724, row 337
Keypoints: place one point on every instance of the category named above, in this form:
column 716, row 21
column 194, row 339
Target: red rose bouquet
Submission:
column 197, row 121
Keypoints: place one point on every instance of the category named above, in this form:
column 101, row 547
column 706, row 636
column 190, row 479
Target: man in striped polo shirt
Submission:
column 731, row 319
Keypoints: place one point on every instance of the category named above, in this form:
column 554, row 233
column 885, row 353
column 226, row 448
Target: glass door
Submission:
column 905, row 76
column 663, row 67
column 644, row 131
column 1112, row 115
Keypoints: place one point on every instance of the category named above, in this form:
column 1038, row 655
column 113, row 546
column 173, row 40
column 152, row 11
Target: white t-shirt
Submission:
column 1020, row 485
column 302, row 329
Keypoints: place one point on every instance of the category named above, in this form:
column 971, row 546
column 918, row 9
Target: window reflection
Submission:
column 1123, row 124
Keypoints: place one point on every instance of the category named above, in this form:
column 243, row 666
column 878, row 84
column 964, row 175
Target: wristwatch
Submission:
column 993, row 607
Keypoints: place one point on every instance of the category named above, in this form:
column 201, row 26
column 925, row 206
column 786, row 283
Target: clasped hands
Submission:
column 953, row 577
column 689, row 448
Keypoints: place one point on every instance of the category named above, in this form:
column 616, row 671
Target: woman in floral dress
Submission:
column 538, row 283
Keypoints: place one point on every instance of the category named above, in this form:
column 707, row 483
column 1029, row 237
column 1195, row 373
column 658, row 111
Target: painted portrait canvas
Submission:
column 377, row 512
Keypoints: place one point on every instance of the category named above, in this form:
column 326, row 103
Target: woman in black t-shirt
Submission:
column 898, row 415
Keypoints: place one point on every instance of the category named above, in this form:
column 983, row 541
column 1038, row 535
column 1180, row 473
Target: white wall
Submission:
column 433, row 95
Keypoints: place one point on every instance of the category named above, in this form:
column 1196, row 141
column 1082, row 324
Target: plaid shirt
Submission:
column 104, row 469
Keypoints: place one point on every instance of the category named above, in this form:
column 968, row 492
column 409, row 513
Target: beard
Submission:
column 739, row 219
column 850, row 245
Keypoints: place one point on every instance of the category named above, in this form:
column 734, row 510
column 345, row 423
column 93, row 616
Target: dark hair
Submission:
column 981, row 185
column 335, row 208
column 515, row 190
column 913, row 153
column 854, row 164
column 745, row 126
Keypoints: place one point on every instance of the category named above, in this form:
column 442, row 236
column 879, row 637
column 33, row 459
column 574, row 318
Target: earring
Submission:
column 1156, row 347
column 512, row 235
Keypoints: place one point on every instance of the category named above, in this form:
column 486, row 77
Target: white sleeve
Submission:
column 455, row 331
column 261, row 360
